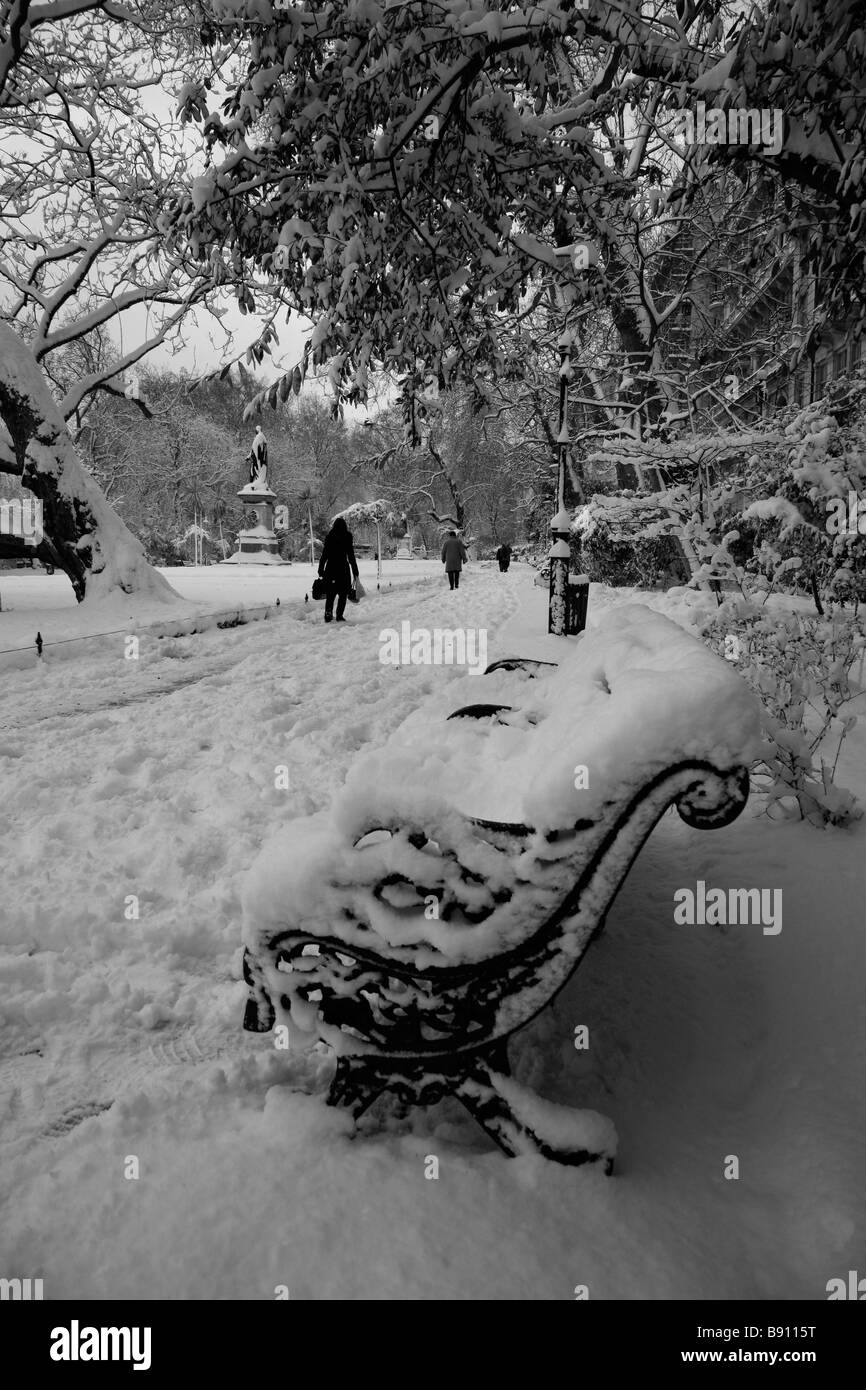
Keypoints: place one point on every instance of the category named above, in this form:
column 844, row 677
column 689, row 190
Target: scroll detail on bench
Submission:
column 463, row 870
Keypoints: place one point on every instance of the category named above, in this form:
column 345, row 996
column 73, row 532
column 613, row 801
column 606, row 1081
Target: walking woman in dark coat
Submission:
column 338, row 567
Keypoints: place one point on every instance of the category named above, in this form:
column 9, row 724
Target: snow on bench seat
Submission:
column 629, row 698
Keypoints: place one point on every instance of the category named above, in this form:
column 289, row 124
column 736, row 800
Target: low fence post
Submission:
column 560, row 558
column 578, row 596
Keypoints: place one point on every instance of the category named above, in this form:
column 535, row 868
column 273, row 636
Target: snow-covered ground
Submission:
column 33, row 601
column 120, row 1038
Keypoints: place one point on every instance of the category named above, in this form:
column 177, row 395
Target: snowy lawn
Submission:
column 31, row 601
column 154, row 780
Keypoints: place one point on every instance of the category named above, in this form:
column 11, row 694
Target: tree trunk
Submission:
column 637, row 340
column 83, row 536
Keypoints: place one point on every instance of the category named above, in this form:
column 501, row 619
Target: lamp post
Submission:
column 560, row 525
column 581, row 255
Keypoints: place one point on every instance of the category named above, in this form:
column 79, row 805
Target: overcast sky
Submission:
column 205, row 345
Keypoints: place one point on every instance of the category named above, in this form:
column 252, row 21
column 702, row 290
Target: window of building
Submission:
column 821, row 378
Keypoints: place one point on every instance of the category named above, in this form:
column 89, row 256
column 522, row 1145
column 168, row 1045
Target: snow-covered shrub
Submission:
column 161, row 548
column 800, row 665
column 717, row 564
column 794, row 541
column 629, row 541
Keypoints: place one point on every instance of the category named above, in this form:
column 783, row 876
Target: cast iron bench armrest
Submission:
column 520, row 663
column 423, row 1032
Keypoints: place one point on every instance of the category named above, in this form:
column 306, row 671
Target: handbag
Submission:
column 320, row 588
column 357, row 592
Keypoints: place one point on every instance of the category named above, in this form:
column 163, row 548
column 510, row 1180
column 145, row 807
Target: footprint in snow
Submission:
column 75, row 1116
column 129, row 763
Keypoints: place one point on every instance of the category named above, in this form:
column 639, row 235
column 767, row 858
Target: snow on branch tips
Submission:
column 781, row 510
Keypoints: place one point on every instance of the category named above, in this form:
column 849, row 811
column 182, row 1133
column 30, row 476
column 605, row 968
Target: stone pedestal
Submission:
column 257, row 544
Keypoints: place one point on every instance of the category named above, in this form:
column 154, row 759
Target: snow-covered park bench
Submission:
column 464, row 868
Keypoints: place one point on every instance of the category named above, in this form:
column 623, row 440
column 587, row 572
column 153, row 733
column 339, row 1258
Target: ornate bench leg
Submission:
column 355, row 1085
column 477, row 1091
column 494, row 1101
column 514, row 1117
column 259, row 1014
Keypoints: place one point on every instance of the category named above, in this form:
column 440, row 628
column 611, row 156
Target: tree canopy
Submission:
column 405, row 174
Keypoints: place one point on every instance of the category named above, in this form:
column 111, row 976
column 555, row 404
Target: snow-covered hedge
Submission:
column 629, row 541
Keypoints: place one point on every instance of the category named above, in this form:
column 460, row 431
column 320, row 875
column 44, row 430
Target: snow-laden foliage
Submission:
column 716, row 564
column 806, row 534
column 772, row 510
column 802, row 667
column 378, row 513
column 403, row 174
column 780, row 519
column 787, row 539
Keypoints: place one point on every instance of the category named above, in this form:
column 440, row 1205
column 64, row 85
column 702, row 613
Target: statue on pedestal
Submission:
column 258, row 459
column 257, row 543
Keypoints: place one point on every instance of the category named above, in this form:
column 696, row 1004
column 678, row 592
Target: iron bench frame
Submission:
column 388, row 1056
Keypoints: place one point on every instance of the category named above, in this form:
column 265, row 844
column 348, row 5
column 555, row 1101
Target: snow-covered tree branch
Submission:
column 83, row 534
column 415, row 168
column 88, row 166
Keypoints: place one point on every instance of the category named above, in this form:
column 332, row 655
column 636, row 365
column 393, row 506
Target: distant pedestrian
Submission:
column 453, row 555
column 503, row 555
column 339, row 568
